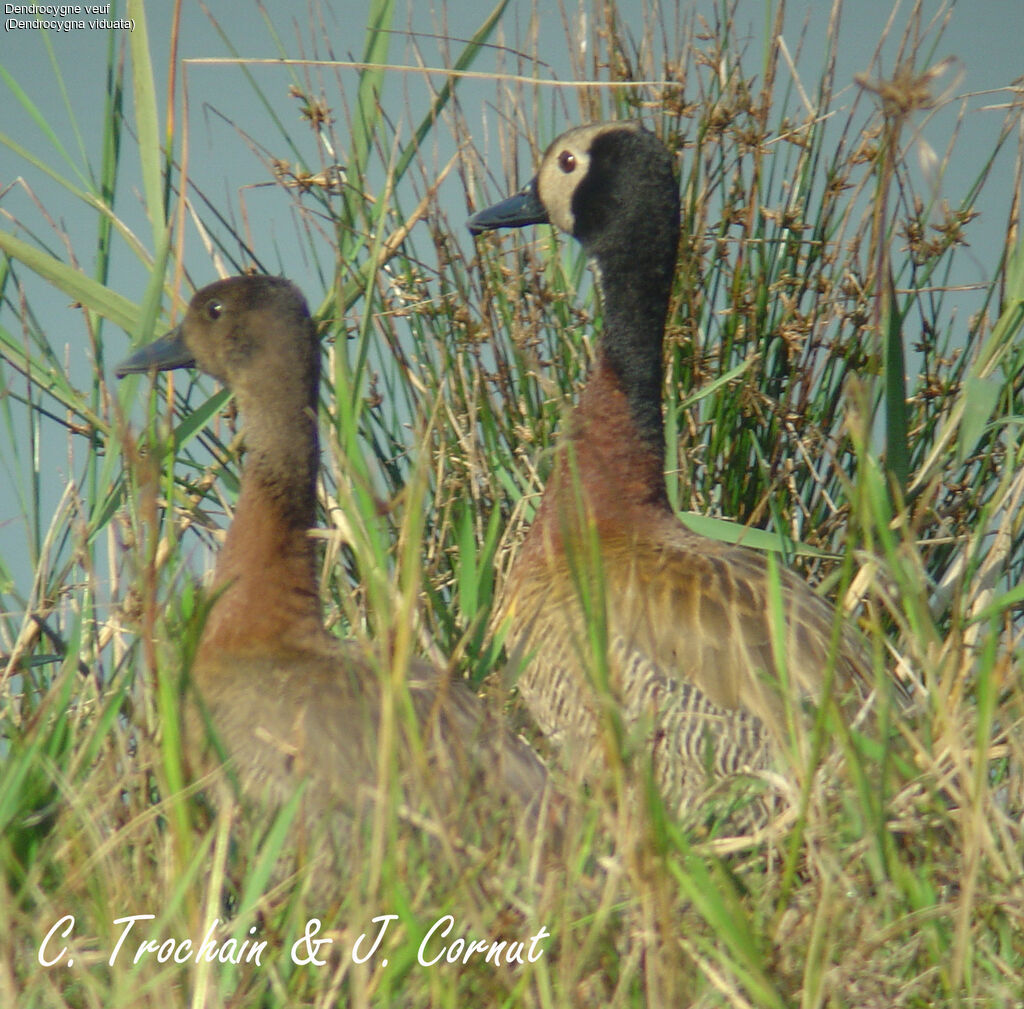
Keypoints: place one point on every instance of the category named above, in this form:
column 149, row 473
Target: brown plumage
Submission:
column 287, row 701
column 685, row 622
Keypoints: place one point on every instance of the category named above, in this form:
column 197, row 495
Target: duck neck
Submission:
column 265, row 584
column 619, row 463
column 616, row 434
column 635, row 299
column 615, row 449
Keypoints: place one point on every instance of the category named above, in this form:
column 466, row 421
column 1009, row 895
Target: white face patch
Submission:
column 564, row 166
column 561, row 172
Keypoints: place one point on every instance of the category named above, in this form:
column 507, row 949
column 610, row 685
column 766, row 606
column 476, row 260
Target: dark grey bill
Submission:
column 160, row 355
column 516, row 212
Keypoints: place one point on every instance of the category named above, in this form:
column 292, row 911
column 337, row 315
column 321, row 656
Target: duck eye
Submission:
column 213, row 310
column 567, row 161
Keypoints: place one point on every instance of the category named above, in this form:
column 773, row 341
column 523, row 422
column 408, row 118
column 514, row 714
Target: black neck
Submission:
column 635, row 310
column 627, row 219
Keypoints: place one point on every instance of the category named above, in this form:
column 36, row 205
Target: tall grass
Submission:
column 823, row 391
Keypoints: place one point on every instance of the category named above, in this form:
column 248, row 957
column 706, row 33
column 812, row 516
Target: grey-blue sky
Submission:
column 985, row 37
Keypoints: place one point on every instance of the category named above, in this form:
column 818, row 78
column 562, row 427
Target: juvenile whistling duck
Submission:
column 286, row 700
column 688, row 619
